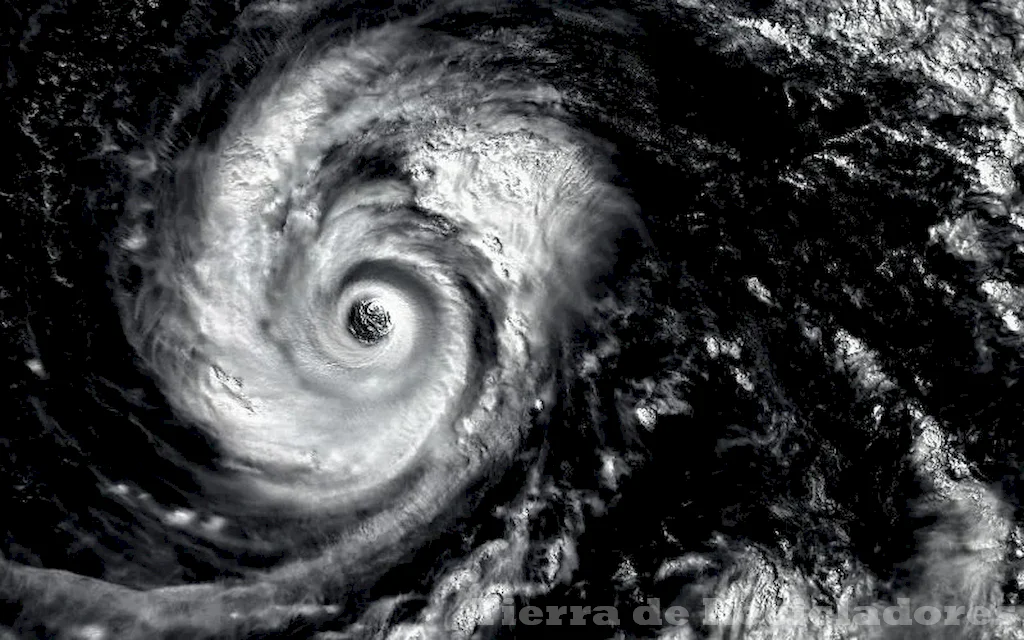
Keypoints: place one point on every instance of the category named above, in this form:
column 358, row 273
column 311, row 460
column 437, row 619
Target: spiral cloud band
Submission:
column 383, row 171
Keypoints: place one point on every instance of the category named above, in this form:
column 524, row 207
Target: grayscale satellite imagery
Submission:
column 474, row 319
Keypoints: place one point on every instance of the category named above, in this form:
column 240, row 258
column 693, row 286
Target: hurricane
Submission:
column 366, row 183
column 470, row 319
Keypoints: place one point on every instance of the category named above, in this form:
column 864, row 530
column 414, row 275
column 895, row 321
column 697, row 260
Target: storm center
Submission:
column 369, row 321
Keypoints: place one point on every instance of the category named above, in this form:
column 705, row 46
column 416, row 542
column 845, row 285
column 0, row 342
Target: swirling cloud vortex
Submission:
column 402, row 184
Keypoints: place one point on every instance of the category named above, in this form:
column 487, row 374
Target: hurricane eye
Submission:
column 369, row 321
